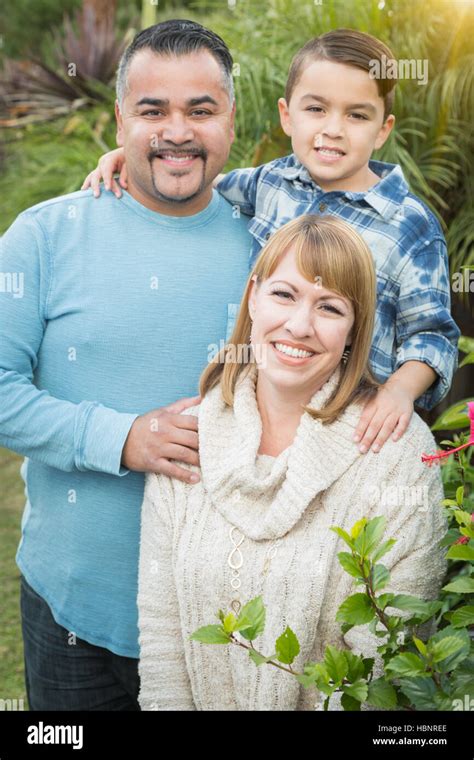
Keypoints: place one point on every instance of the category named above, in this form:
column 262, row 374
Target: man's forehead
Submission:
column 198, row 68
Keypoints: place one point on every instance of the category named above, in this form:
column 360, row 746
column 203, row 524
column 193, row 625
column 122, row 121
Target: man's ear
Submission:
column 384, row 132
column 119, row 120
column 285, row 120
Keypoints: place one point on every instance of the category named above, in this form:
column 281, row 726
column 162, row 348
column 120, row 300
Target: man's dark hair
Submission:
column 177, row 37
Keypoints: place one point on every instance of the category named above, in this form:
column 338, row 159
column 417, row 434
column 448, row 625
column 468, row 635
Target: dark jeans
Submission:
column 62, row 674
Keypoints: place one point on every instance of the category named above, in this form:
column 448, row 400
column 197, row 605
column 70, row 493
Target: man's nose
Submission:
column 177, row 129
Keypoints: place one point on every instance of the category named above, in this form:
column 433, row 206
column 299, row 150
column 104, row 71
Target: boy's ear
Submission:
column 285, row 120
column 118, row 117
column 384, row 132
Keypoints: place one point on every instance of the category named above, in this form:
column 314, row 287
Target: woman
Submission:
column 278, row 468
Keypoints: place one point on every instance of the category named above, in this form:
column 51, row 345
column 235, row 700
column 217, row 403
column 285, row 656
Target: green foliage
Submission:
column 435, row 673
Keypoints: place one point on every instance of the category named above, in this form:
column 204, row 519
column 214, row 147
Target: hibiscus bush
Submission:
column 420, row 672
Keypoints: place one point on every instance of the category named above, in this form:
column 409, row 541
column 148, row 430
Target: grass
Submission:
column 12, row 685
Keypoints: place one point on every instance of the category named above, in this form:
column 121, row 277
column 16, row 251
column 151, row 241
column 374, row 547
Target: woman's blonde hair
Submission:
column 328, row 251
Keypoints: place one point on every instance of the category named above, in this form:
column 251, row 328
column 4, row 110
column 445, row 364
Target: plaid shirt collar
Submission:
column 386, row 197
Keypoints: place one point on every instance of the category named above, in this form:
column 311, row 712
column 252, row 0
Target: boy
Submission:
column 337, row 114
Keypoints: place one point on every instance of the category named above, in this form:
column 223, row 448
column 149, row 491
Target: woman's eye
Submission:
column 331, row 308
column 281, row 293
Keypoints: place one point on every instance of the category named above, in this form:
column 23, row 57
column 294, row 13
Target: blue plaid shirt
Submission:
column 413, row 319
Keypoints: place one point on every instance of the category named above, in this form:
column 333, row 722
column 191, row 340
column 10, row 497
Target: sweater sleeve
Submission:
column 164, row 680
column 410, row 497
column 35, row 424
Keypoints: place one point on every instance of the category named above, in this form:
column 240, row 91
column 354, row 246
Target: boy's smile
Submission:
column 335, row 118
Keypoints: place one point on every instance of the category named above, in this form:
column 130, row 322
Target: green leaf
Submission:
column 357, row 690
column 418, row 607
column 466, row 344
column 451, row 661
column 336, row 664
column 355, row 665
column 350, row 564
column 356, row 609
column 461, row 551
column 420, row 645
column 460, row 495
column 444, row 648
column 211, row 634
column 420, row 692
column 287, row 646
column 342, row 534
column 384, row 600
column 357, row 527
column 370, row 536
column 454, row 418
column 229, row 623
column 469, row 359
column 383, row 549
column 405, row 664
column 349, row 703
column 251, row 621
column 462, row 585
column 382, row 694
column 380, row 576
column 259, row 659
column 463, row 616
column 463, row 517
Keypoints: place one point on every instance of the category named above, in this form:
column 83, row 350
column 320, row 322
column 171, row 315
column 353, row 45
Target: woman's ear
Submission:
column 252, row 298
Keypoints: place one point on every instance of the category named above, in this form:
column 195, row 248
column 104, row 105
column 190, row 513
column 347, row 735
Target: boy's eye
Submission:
column 314, row 108
column 359, row 116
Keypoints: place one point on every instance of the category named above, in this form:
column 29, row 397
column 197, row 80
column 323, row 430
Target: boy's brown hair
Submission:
column 346, row 46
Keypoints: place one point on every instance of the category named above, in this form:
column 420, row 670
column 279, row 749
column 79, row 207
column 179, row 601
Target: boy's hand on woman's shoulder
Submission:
column 388, row 413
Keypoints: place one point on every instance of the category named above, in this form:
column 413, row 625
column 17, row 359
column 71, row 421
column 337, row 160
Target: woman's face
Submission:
column 289, row 311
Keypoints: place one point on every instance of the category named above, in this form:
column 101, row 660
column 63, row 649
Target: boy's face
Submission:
column 335, row 121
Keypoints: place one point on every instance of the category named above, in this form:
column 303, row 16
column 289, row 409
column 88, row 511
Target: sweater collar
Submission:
column 267, row 507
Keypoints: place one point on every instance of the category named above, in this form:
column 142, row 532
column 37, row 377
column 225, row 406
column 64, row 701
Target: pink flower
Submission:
column 462, row 540
column 430, row 458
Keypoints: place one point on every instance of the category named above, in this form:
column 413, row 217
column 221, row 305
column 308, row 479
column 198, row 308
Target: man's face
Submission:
column 176, row 126
column 336, row 120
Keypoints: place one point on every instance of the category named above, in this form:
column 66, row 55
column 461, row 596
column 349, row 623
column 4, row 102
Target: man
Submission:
column 121, row 303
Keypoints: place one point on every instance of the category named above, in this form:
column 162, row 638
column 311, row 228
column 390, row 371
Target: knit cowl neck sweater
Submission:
column 267, row 505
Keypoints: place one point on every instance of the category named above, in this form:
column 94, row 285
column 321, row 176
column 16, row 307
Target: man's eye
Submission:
column 281, row 293
column 151, row 113
column 200, row 112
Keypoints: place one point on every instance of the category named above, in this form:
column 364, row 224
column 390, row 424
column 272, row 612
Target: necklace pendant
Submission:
column 236, row 606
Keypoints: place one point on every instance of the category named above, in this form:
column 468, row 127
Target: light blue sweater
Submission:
column 107, row 311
